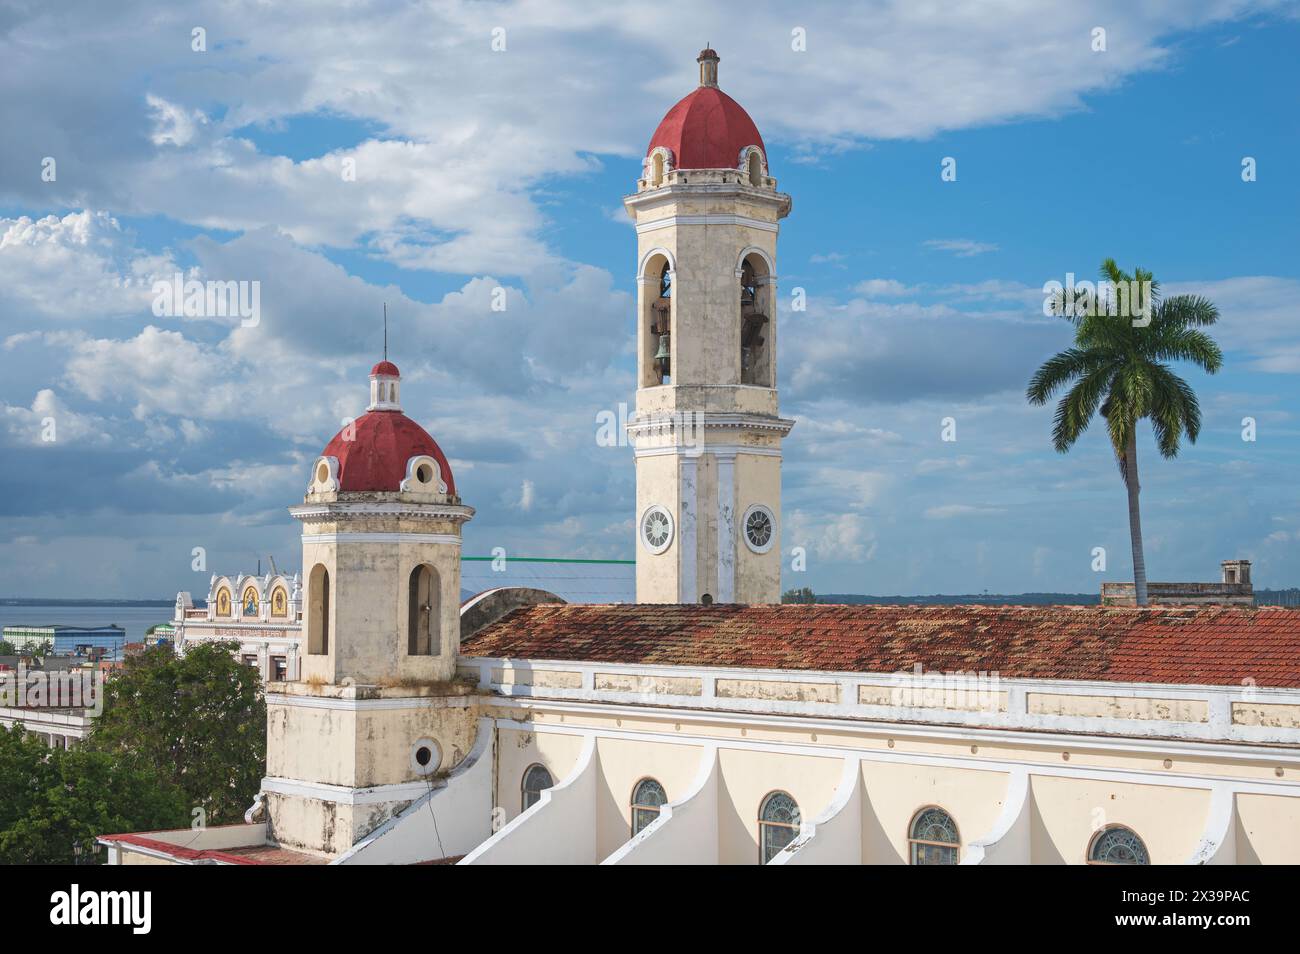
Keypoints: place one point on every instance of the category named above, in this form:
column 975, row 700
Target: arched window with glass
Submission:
column 648, row 798
column 1117, row 845
column 536, row 780
column 933, row 839
column 778, row 823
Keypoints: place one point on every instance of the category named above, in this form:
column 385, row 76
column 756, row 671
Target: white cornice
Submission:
column 362, row 705
column 344, row 509
column 696, row 734
column 675, row 191
column 345, row 795
column 724, row 218
column 347, row 536
column 687, row 420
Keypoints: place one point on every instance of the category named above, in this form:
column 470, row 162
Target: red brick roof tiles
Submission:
column 1197, row 646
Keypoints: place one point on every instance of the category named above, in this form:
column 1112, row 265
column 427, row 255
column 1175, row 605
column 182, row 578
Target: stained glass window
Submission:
column 536, row 780
column 1117, row 845
column 933, row 838
column 647, row 799
column 778, row 823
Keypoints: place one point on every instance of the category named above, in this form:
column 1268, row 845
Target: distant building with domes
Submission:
column 706, row 723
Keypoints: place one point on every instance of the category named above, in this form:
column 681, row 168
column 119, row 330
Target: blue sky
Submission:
column 479, row 169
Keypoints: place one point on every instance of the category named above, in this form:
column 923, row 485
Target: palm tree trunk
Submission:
column 1135, row 519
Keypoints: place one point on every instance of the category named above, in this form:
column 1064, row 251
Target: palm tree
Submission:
column 1120, row 369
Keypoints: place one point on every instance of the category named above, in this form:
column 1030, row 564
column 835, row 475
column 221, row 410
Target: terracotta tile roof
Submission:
column 1199, row 646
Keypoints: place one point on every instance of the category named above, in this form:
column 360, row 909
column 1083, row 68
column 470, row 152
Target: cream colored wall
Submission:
column 1268, row 830
column 361, row 748
column 371, row 590
column 623, row 764
column 657, row 574
column 1067, row 812
column 517, row 749
column 747, row 777
column 895, row 792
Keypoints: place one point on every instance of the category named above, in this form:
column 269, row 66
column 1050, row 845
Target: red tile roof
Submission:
column 1198, row 646
column 243, row 855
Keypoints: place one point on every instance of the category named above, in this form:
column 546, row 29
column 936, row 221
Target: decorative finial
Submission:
column 385, row 331
column 708, row 60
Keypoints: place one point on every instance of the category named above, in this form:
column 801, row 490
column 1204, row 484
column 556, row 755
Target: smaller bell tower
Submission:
column 375, row 713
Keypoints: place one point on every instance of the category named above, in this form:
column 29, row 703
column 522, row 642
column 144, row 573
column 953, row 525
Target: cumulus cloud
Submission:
column 462, row 134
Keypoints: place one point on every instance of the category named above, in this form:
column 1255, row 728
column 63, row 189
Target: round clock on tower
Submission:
column 706, row 431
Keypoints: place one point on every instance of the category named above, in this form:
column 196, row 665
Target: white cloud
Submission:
column 962, row 248
column 882, row 288
column 50, row 423
column 949, row 511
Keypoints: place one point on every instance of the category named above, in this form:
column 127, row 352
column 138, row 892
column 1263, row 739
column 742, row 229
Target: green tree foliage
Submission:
column 198, row 721
column 802, row 595
column 55, row 799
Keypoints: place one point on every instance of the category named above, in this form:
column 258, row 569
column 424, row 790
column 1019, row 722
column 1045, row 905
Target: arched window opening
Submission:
column 661, row 310
column 648, row 798
column 223, row 602
column 933, row 838
column 423, row 612
column 755, row 169
column 1117, row 845
column 778, row 823
column 755, row 361
column 279, row 601
column 657, row 170
column 318, row 614
column 249, row 602
column 536, row 780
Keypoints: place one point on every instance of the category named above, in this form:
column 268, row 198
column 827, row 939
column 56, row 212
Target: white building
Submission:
column 263, row 614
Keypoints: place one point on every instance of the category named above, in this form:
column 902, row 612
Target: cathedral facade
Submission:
column 707, row 723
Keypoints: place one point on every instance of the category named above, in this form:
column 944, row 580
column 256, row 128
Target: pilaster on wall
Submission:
column 1218, row 845
column 1009, row 841
column 835, row 836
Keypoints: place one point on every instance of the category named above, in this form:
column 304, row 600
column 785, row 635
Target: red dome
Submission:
column 386, row 367
column 706, row 130
column 382, row 442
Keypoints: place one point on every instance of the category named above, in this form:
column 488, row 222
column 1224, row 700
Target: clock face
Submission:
column 759, row 526
column 656, row 529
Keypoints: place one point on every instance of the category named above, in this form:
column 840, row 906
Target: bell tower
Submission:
column 377, row 712
column 706, row 431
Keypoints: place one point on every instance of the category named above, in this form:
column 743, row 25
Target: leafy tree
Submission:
column 1120, row 370
column 198, row 720
column 56, row 800
column 7, row 648
column 802, row 595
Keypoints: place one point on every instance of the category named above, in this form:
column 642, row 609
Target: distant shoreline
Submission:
column 28, row 601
